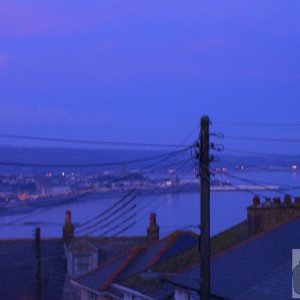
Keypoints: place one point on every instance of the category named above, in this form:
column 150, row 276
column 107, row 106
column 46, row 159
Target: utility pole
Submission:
column 38, row 277
column 205, row 209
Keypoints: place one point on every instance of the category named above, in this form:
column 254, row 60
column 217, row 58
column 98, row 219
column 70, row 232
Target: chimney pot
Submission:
column 287, row 200
column 256, row 201
column 276, row 200
column 268, row 201
column 68, row 217
column 153, row 218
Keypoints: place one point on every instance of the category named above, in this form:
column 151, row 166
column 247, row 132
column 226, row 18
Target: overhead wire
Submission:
column 140, row 209
column 258, row 124
column 163, row 157
column 145, row 170
column 176, row 190
column 244, row 189
column 88, row 142
column 99, row 224
column 91, row 165
column 262, row 139
column 254, row 183
column 106, row 210
column 226, row 149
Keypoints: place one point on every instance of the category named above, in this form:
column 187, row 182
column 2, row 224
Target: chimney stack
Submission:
column 153, row 230
column 68, row 229
column 265, row 216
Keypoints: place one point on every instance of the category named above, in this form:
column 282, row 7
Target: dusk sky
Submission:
column 146, row 71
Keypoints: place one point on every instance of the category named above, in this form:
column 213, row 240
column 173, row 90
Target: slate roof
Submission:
column 109, row 247
column 125, row 266
column 259, row 268
column 17, row 271
column 101, row 277
column 150, row 283
column 17, row 263
column 189, row 279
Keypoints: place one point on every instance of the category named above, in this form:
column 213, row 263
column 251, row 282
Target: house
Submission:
column 258, row 266
column 251, row 260
column 17, row 272
column 61, row 259
column 101, row 282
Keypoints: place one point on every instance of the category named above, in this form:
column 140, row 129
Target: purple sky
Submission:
column 147, row 70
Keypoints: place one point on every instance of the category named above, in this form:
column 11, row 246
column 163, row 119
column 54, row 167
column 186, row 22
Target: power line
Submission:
column 256, row 152
column 94, row 165
column 89, row 142
column 263, row 182
column 113, row 213
column 189, row 135
column 254, row 183
column 156, row 206
column 119, row 224
column 258, row 124
column 263, row 139
column 107, row 210
column 129, row 218
column 145, row 170
column 95, row 226
column 242, row 189
column 103, row 226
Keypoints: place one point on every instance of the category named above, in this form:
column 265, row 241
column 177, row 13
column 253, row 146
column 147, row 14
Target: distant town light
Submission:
column 168, row 183
column 294, row 167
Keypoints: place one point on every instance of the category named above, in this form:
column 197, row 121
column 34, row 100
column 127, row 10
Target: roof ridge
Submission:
column 251, row 238
column 81, row 240
column 171, row 240
column 120, row 270
column 109, row 261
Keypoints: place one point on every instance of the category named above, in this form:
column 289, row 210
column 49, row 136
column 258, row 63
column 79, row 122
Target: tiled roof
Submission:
column 17, row 271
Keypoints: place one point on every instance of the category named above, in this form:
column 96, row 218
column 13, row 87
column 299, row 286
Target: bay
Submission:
column 174, row 211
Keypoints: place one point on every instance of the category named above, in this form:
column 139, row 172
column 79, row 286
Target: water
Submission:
column 174, row 211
